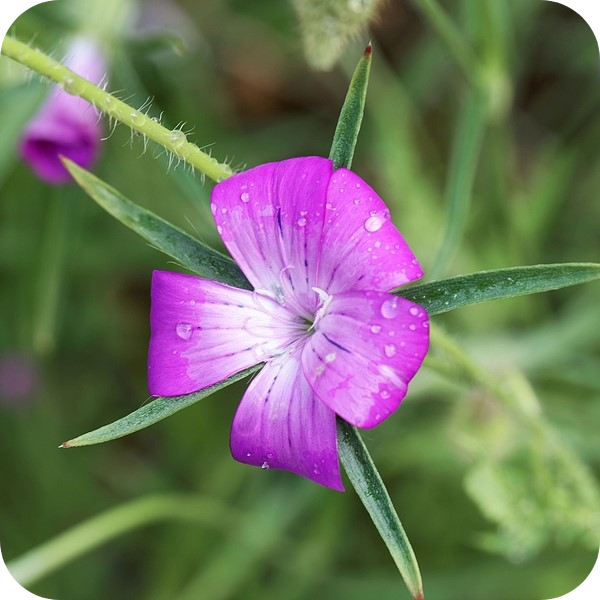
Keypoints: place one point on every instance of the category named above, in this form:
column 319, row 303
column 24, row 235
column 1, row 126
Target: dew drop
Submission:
column 389, row 309
column 375, row 328
column 178, row 138
column 245, row 197
column 184, row 331
column 390, row 350
column 248, row 453
column 330, row 357
column 264, row 466
column 356, row 200
column 192, row 302
column 224, row 210
column 377, row 244
column 137, row 117
column 220, row 230
column 414, row 311
column 373, row 223
column 385, row 394
column 259, row 352
column 301, row 221
column 213, row 208
column 71, row 86
column 412, row 326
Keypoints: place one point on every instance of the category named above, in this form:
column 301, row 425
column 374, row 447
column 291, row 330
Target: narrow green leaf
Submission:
column 353, row 453
column 371, row 490
column 189, row 252
column 448, row 294
column 156, row 410
column 350, row 119
column 84, row 537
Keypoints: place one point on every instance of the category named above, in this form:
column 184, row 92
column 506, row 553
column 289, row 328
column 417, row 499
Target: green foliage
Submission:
column 486, row 481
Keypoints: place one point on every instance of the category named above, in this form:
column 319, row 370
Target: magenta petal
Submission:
column 363, row 353
column 362, row 248
column 280, row 424
column 203, row 332
column 271, row 219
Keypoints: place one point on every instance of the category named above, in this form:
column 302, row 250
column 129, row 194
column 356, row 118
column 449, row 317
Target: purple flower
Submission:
column 321, row 251
column 66, row 125
column 19, row 379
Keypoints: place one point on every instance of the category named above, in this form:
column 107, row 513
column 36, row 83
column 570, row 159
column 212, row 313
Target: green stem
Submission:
column 75, row 542
column 462, row 170
column 51, row 269
column 452, row 38
column 173, row 140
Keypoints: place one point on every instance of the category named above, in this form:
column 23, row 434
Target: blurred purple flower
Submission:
column 66, row 125
column 321, row 251
column 19, row 379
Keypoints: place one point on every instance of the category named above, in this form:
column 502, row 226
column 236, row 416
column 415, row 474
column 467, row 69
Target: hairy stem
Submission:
column 174, row 141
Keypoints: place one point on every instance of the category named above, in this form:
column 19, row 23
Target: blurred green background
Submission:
column 500, row 502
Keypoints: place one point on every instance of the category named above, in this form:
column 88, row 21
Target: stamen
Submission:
column 322, row 309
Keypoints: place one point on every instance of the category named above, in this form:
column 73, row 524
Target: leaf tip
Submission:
column 65, row 445
column 368, row 50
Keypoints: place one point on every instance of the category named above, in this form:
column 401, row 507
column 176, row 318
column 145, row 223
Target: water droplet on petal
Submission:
column 412, row 326
column 390, row 350
column 375, row 328
column 373, row 223
column 220, row 230
column 389, row 309
column 213, row 208
column 385, row 394
column 184, row 331
column 301, row 222
column 264, row 466
column 414, row 311
column 245, row 197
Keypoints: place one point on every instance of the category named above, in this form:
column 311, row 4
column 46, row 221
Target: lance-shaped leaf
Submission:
column 188, row 251
column 156, row 410
column 351, row 115
column 371, row 490
column 455, row 292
